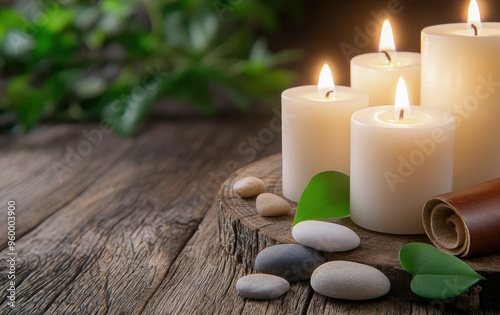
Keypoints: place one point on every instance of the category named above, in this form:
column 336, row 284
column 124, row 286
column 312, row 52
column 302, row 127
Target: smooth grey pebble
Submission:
column 293, row 262
column 262, row 286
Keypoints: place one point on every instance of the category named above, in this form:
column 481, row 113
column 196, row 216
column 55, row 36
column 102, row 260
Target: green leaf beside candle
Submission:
column 326, row 196
column 436, row 275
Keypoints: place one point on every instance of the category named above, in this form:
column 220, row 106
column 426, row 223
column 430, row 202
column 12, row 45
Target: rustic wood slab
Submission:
column 243, row 233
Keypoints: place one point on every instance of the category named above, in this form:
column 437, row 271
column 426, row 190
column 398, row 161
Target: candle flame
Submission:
column 402, row 103
column 386, row 38
column 474, row 18
column 326, row 87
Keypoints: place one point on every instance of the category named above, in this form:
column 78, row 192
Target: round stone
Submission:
column 325, row 236
column 270, row 205
column 249, row 187
column 262, row 286
column 349, row 281
column 293, row 262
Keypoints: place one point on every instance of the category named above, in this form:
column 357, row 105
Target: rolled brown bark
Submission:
column 467, row 222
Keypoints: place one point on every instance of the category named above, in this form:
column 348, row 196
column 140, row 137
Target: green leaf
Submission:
column 437, row 275
column 60, row 19
column 325, row 197
column 121, row 8
column 9, row 19
column 28, row 102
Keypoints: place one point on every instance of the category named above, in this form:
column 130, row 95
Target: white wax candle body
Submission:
column 316, row 134
column 461, row 75
column 371, row 73
column 396, row 167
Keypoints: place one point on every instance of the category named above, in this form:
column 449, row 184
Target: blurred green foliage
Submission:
column 69, row 60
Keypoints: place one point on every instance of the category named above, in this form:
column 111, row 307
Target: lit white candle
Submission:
column 316, row 131
column 377, row 73
column 400, row 157
column 461, row 75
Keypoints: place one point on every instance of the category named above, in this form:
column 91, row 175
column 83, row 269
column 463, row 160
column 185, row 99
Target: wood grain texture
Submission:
column 243, row 233
column 33, row 171
column 134, row 228
column 108, row 248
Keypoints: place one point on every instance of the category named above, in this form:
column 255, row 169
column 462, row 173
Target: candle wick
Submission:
column 388, row 56
column 401, row 115
column 327, row 95
column 476, row 31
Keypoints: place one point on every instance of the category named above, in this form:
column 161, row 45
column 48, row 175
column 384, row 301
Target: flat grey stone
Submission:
column 349, row 281
column 262, row 286
column 293, row 262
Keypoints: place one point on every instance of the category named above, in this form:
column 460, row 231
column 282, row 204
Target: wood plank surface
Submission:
column 36, row 175
column 121, row 233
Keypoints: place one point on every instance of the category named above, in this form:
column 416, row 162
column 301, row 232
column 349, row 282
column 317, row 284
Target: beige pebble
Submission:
column 249, row 187
column 270, row 205
column 349, row 281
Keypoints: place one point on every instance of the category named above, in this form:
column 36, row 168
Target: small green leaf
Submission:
column 60, row 19
column 437, row 275
column 28, row 102
column 325, row 197
column 121, row 8
column 11, row 19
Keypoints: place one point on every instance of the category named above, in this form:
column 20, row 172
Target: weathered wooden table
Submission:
column 109, row 225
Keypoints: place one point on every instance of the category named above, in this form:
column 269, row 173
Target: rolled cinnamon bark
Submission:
column 467, row 222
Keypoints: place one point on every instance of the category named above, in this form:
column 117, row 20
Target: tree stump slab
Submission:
column 243, row 234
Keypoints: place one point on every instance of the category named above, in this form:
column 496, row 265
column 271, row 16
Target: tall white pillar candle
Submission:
column 378, row 77
column 397, row 163
column 461, row 75
column 316, row 133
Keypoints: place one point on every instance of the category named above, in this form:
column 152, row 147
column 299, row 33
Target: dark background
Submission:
column 326, row 24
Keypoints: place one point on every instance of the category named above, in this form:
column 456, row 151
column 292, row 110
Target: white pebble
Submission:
column 249, row 187
column 325, row 236
column 270, row 205
column 349, row 281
